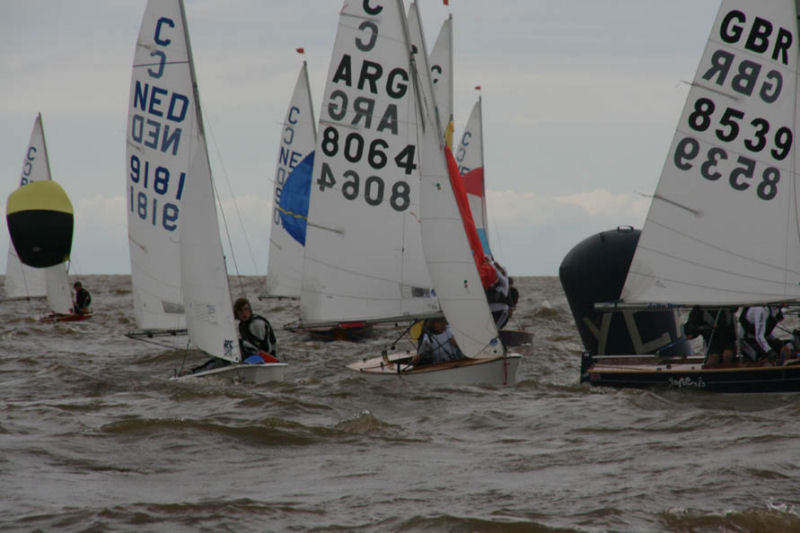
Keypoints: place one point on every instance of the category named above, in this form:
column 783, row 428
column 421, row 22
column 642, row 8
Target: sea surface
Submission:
column 94, row 437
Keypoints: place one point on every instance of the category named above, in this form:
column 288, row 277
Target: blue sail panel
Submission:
column 293, row 205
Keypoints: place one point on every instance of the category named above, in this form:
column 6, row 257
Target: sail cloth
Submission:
column 469, row 157
column 363, row 258
column 159, row 149
column 441, row 65
column 291, row 193
column 450, row 256
column 723, row 224
column 40, row 222
column 22, row 281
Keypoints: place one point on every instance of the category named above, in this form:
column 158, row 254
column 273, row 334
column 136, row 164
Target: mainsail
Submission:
column 469, row 157
column 723, row 224
column 363, row 258
column 291, row 193
column 441, row 65
column 160, row 145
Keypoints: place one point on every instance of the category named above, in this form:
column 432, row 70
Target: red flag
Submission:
column 446, row 2
column 301, row 50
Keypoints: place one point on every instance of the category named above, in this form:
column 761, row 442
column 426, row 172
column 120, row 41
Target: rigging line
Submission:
column 233, row 198
column 228, row 235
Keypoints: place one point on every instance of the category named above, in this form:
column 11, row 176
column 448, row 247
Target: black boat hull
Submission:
column 689, row 373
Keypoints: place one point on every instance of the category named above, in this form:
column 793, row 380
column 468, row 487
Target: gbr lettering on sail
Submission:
column 366, row 150
column 737, row 127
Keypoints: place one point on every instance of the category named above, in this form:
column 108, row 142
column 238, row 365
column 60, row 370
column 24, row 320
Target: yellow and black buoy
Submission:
column 40, row 223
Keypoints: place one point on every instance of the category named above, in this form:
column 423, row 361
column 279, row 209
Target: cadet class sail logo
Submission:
column 718, row 141
column 156, row 126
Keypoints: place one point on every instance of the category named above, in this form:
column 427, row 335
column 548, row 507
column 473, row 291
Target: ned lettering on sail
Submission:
column 156, row 125
column 377, row 88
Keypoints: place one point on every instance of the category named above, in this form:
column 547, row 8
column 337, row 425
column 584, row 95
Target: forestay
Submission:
column 363, row 258
column 441, row 65
column 723, row 224
column 290, row 198
column 22, row 281
column 469, row 157
column 447, row 250
column 160, row 147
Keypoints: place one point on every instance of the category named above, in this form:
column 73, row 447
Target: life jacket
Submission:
column 513, row 296
column 266, row 344
column 83, row 298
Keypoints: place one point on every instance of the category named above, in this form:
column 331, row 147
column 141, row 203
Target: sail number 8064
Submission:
column 353, row 148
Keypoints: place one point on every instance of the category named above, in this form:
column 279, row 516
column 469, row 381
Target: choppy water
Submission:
column 93, row 437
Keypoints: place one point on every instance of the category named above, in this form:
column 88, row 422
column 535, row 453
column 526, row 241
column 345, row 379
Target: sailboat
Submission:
column 290, row 212
column 170, row 192
column 291, row 191
column 385, row 236
column 470, row 160
column 23, row 281
column 722, row 227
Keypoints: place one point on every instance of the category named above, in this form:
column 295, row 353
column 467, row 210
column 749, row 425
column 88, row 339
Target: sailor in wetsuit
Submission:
column 255, row 331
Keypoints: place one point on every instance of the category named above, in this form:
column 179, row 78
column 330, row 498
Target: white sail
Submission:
column 469, row 157
column 159, row 146
column 363, row 258
column 441, row 65
column 164, row 96
column 59, row 295
column 290, row 197
column 447, row 251
column 22, row 281
column 723, row 224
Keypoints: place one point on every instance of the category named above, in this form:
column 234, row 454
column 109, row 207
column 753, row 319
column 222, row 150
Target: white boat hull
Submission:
column 498, row 371
column 248, row 374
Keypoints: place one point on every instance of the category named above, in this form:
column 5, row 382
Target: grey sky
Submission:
column 581, row 98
